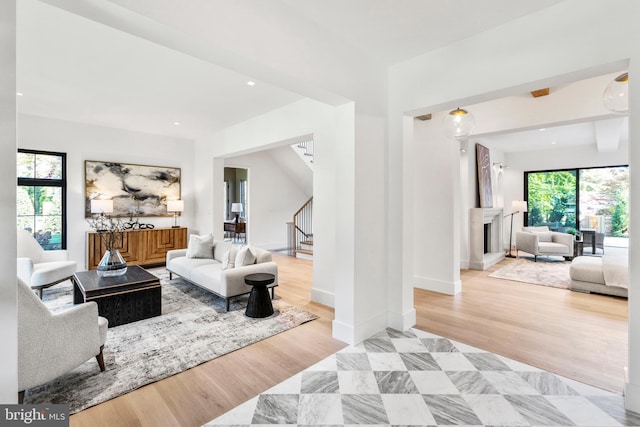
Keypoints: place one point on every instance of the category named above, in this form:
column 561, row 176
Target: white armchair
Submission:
column 50, row 345
column 541, row 241
column 39, row 268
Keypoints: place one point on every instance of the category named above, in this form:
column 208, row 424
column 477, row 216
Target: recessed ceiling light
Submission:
column 251, row 83
column 19, row 93
column 177, row 123
column 542, row 130
column 553, row 142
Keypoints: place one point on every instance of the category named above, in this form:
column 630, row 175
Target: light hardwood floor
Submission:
column 577, row 335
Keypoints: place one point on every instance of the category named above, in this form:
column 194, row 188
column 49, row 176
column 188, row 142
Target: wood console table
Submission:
column 139, row 247
column 235, row 228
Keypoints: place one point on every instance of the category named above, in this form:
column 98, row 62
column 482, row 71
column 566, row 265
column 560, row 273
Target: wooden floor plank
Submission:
column 577, row 335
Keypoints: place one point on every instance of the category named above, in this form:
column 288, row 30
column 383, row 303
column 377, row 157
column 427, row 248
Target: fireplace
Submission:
column 486, row 247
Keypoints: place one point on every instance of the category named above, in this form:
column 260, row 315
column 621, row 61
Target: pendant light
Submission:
column 459, row 123
column 616, row 95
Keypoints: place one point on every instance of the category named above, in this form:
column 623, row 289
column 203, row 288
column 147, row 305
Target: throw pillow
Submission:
column 245, row 256
column 229, row 258
column 200, row 246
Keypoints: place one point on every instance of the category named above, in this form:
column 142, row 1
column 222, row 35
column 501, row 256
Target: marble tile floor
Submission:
column 415, row 378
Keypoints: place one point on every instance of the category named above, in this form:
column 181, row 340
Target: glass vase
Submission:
column 112, row 264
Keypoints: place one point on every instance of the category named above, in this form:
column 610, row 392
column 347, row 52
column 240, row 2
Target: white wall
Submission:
column 437, row 205
column 85, row 142
column 8, row 313
column 578, row 39
column 273, row 199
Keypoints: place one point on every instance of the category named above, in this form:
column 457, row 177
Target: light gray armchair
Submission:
column 39, row 268
column 541, row 241
column 50, row 345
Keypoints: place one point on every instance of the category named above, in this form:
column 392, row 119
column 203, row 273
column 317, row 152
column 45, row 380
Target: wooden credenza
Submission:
column 139, row 247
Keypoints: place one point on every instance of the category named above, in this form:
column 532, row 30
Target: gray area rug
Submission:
column 192, row 329
column 545, row 272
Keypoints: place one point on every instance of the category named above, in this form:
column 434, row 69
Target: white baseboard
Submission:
column 400, row 321
column 435, row 285
column 362, row 331
column 323, row 297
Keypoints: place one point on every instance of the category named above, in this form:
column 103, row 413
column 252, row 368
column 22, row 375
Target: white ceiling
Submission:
column 74, row 68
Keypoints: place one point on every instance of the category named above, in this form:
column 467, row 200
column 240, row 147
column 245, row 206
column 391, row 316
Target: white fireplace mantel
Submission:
column 493, row 217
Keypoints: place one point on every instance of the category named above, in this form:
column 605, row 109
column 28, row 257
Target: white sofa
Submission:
column 542, row 241
column 603, row 275
column 209, row 272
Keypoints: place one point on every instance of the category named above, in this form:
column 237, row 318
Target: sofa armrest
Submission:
column 57, row 255
column 175, row 253
column 564, row 238
column 232, row 280
column 25, row 269
column 527, row 242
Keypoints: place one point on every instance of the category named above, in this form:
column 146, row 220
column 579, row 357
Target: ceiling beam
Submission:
column 540, row 92
column 608, row 134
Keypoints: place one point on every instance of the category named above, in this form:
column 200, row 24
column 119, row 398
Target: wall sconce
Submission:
column 498, row 167
column 459, row 123
column 175, row 206
column 236, row 208
column 616, row 95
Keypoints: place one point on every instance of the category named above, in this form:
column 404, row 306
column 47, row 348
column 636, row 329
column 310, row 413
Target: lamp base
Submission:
column 510, row 256
column 175, row 226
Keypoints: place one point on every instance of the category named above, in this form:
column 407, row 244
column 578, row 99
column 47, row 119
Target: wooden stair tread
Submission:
column 307, row 242
column 305, row 251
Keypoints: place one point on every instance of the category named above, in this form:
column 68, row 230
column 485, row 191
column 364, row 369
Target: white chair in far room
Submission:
column 41, row 269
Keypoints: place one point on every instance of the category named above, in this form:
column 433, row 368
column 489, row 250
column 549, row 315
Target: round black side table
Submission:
column 259, row 304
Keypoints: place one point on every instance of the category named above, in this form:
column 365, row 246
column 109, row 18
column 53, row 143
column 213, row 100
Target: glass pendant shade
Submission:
column 616, row 95
column 459, row 123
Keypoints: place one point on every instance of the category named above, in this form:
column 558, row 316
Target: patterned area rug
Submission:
column 193, row 329
column 545, row 272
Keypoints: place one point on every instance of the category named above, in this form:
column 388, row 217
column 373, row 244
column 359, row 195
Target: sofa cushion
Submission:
column 184, row 266
column 544, row 236
column 208, row 276
column 553, row 248
column 220, row 248
column 587, row 269
column 229, row 257
column 538, row 229
column 246, row 256
column 200, row 246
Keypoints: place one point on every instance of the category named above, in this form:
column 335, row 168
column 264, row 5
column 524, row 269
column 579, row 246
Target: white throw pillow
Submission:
column 229, row 258
column 245, row 256
column 200, row 246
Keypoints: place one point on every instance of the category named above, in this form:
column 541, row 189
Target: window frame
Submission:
column 58, row 183
column 577, row 171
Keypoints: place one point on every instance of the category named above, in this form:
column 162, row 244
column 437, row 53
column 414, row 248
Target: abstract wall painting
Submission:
column 484, row 176
column 136, row 190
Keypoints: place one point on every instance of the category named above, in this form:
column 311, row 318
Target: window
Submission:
column 41, row 196
column 589, row 198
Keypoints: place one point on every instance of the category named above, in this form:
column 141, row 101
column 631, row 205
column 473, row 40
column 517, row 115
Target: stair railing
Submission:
column 302, row 226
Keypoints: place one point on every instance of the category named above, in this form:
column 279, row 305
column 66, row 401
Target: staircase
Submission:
column 301, row 232
column 304, row 149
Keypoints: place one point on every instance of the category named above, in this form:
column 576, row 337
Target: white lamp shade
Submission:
column 175, row 205
column 236, row 207
column 519, row 206
column 101, row 206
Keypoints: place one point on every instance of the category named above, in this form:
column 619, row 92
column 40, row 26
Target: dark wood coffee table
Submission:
column 135, row 295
